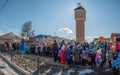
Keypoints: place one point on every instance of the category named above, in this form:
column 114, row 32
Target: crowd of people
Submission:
column 96, row 54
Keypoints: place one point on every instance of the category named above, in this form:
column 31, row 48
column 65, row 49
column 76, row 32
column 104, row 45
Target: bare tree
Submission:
column 27, row 29
column 32, row 33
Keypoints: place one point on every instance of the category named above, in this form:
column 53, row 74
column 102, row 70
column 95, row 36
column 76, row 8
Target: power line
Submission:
column 3, row 5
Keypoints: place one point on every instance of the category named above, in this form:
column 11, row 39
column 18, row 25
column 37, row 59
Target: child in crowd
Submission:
column 98, row 60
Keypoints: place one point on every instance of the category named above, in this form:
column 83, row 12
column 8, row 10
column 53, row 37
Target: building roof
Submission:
column 79, row 7
column 9, row 35
column 106, row 39
column 116, row 34
column 4, row 38
column 41, row 36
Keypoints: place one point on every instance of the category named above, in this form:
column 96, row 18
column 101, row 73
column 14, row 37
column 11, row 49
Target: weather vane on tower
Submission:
column 79, row 4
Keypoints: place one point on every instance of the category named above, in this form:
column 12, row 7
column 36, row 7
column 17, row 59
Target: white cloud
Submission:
column 89, row 39
column 67, row 30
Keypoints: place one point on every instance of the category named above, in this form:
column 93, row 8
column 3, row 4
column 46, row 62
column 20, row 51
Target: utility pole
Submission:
column 54, row 35
column 38, row 66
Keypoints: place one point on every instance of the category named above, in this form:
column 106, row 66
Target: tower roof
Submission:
column 79, row 7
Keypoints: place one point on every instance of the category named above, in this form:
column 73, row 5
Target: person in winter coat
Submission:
column 91, row 46
column 84, row 57
column 68, row 56
column 112, row 48
column 117, row 48
column 110, row 57
column 58, row 55
column 92, row 61
column 44, row 50
column 98, row 60
column 36, row 49
column 76, row 55
column 55, row 51
column 62, row 52
column 103, row 56
column 89, row 59
column 28, row 49
column 32, row 49
column 49, row 49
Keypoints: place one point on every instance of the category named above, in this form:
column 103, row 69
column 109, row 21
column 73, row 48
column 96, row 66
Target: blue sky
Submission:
column 47, row 16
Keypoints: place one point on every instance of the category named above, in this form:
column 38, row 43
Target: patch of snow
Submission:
column 55, row 73
column 48, row 70
column 108, row 70
column 7, row 70
column 60, row 73
column 70, row 71
column 39, row 74
column 83, row 72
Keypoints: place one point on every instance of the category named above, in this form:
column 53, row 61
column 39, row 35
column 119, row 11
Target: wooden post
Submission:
column 38, row 66
column 11, row 55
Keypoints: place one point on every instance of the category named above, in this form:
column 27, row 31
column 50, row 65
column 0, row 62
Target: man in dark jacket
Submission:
column 55, row 50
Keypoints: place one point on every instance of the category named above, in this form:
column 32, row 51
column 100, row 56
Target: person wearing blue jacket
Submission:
column 68, row 56
column 91, row 46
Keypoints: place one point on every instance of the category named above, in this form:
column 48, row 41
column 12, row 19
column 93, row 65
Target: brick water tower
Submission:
column 80, row 17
